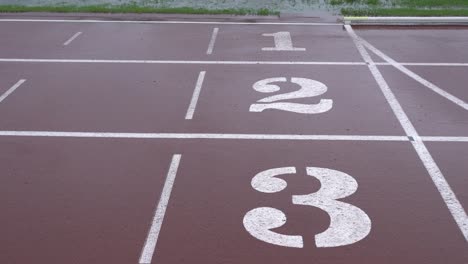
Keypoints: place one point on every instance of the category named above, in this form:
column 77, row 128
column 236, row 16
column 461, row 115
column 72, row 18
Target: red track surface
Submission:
column 86, row 146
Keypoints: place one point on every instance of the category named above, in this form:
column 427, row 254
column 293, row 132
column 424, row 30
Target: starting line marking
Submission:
column 11, row 90
column 184, row 62
column 449, row 197
column 212, row 41
column 169, row 22
column 222, row 136
column 208, row 62
column 72, row 38
column 195, row 96
column 153, row 234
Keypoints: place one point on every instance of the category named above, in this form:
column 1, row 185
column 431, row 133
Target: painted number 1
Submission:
column 348, row 223
column 283, row 42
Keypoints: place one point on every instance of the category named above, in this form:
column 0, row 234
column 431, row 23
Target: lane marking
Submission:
column 199, row 136
column 445, row 139
column 153, row 234
column 221, row 136
column 449, row 197
column 72, row 38
column 436, row 64
column 195, row 96
column 415, row 76
column 11, row 90
column 338, row 63
column 333, row 63
column 212, row 41
column 169, row 22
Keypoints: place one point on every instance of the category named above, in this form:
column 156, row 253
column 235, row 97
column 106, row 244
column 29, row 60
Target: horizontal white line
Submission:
column 445, row 139
column 222, row 136
column 445, row 18
column 441, row 64
column 199, row 136
column 208, row 62
column 182, row 62
column 169, row 22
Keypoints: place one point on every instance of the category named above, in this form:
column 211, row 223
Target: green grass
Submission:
column 133, row 8
column 432, row 3
column 366, row 2
column 404, row 12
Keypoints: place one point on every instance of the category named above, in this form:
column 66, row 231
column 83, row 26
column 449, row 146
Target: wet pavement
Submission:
column 241, row 142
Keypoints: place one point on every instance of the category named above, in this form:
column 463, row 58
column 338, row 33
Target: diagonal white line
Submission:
column 72, row 38
column 153, row 234
column 414, row 76
column 449, row 197
column 195, row 96
column 212, row 41
column 11, row 90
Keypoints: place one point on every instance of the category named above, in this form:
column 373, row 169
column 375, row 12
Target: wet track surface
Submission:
column 170, row 143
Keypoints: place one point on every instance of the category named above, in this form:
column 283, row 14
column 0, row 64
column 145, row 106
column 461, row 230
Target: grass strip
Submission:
column 133, row 8
column 403, row 12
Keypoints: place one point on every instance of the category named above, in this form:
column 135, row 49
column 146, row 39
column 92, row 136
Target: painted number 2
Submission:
column 283, row 42
column 308, row 88
column 348, row 224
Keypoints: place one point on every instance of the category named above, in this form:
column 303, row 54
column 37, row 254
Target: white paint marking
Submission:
column 449, row 197
column 266, row 182
column 11, row 90
column 445, row 139
column 168, row 22
column 184, row 62
column 200, row 136
column 212, row 41
column 348, row 223
column 195, row 96
column 152, row 238
column 414, row 76
column 259, row 221
column 283, row 42
column 308, row 88
column 435, row 64
column 72, row 38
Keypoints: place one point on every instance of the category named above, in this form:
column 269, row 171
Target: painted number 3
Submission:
column 308, row 88
column 348, row 224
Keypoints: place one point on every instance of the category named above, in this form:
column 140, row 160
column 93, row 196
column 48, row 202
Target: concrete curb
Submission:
column 407, row 21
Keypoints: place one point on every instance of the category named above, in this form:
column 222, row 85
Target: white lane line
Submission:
column 338, row 63
column 66, row 43
column 414, row 76
column 445, row 139
column 195, row 96
column 449, row 197
column 222, row 136
column 153, row 234
column 11, row 90
column 200, row 136
column 435, row 64
column 212, row 41
column 169, row 22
